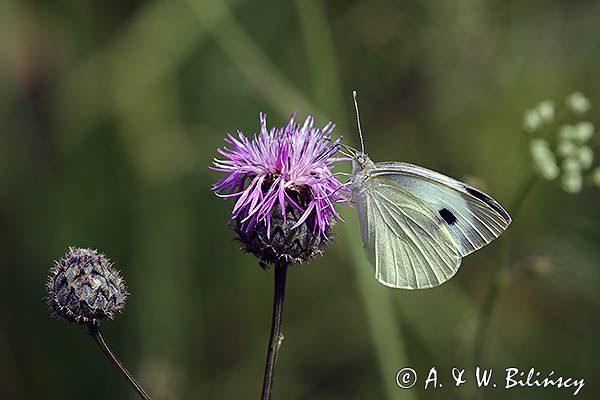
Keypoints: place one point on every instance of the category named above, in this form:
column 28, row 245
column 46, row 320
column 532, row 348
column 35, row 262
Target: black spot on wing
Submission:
column 447, row 216
column 489, row 201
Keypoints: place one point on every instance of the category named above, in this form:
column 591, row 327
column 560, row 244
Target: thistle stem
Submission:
column 94, row 331
column 276, row 338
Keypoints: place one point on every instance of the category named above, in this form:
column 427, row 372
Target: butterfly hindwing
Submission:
column 404, row 239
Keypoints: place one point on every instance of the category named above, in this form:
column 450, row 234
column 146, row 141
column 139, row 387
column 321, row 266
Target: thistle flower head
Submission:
column 84, row 287
column 284, row 188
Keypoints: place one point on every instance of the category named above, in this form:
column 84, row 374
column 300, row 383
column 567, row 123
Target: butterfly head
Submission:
column 361, row 161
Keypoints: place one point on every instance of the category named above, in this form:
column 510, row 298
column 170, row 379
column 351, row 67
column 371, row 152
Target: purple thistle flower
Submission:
column 282, row 178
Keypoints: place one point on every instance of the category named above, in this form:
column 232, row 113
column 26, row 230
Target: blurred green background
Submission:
column 110, row 114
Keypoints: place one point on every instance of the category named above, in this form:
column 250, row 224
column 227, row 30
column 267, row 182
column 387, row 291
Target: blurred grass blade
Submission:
column 149, row 48
column 218, row 19
column 381, row 313
column 315, row 28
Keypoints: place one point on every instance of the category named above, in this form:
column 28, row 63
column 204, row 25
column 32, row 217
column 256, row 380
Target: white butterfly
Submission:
column 417, row 224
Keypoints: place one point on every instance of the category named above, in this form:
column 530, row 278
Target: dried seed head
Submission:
column 83, row 287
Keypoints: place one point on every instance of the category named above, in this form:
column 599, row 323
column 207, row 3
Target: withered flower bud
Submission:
column 84, row 287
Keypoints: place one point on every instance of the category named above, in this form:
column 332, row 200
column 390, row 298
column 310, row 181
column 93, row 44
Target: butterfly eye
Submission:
column 360, row 160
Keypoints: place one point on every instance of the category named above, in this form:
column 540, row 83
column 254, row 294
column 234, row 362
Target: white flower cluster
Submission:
column 568, row 155
column 535, row 118
column 544, row 159
column 578, row 103
column 577, row 156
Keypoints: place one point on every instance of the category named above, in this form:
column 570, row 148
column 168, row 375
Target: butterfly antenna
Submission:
column 362, row 143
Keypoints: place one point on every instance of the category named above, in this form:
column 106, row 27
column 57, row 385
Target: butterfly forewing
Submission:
column 473, row 218
column 404, row 239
